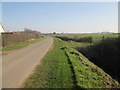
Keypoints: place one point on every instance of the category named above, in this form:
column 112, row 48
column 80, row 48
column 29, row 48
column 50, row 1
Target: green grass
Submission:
column 73, row 44
column 20, row 45
column 89, row 76
column 53, row 71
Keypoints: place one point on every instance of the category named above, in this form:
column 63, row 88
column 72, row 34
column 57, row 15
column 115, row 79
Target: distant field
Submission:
column 96, row 37
column 61, row 69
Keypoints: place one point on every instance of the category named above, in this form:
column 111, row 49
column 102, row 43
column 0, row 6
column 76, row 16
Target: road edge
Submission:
column 35, row 66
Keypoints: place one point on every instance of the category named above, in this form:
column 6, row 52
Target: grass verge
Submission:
column 53, row 71
column 61, row 69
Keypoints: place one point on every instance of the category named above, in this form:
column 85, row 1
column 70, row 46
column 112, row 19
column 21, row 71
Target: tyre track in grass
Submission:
column 72, row 70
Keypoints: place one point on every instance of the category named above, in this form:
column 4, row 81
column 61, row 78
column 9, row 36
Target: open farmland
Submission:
column 60, row 45
column 64, row 67
column 95, row 37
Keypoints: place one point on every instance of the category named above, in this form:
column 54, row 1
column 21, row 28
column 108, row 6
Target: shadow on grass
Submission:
column 105, row 54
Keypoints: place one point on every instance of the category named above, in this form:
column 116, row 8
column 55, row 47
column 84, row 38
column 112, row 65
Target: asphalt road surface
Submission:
column 16, row 66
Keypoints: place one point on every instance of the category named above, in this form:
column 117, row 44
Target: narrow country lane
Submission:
column 17, row 65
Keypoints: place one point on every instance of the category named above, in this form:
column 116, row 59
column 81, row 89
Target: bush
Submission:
column 12, row 39
column 83, row 39
column 105, row 54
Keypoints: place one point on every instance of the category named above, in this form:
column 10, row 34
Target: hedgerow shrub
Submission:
column 81, row 39
column 105, row 54
column 12, row 39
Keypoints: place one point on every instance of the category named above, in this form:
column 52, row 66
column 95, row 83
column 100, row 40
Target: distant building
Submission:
column 54, row 32
column 106, row 32
column 2, row 30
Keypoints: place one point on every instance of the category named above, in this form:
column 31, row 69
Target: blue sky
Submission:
column 75, row 17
